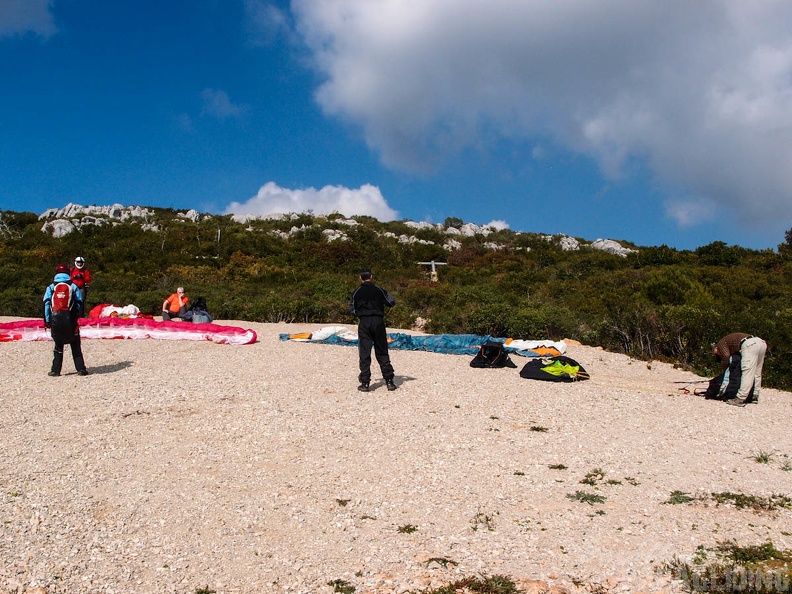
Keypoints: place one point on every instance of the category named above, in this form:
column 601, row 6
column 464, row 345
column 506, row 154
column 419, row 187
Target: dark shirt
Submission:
column 729, row 345
column 369, row 300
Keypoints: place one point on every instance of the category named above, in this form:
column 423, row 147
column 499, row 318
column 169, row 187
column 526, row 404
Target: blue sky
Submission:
column 656, row 122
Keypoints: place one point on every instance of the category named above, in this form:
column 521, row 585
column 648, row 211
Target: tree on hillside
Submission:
column 786, row 247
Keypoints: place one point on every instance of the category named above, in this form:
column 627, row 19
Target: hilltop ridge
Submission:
column 59, row 222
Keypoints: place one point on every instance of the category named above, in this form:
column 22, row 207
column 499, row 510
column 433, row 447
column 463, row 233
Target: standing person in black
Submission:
column 368, row 304
column 62, row 309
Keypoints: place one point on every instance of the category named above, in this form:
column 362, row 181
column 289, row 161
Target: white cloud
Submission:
column 688, row 213
column 26, row 16
column 498, row 225
column 271, row 198
column 217, row 104
column 701, row 91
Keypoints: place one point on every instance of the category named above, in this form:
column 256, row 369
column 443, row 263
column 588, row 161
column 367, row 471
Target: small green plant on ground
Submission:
column 519, row 473
column 557, row 467
column 482, row 519
column 763, row 457
column 752, row 554
column 539, row 429
column 730, row 568
column 205, row 590
column 583, row 497
column 632, row 481
column 341, row 586
column 496, row 584
column 593, row 477
column 343, row 502
column 441, row 561
column 741, row 501
column 738, row 500
column 407, row 529
column 678, row 498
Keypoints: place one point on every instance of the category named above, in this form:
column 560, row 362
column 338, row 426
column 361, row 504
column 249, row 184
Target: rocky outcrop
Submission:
column 59, row 222
column 612, row 247
column 567, row 243
column 116, row 211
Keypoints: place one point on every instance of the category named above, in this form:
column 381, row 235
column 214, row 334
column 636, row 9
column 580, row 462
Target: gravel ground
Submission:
column 179, row 466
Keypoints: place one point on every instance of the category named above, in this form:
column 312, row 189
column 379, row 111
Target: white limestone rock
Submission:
column 58, row 227
column 612, row 247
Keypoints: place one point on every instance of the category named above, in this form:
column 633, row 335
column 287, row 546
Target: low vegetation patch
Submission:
column 341, row 586
column 738, row 500
column 496, row 584
column 763, row 457
column 756, row 503
column 583, row 497
column 482, row 519
column 730, row 568
column 593, row 478
column 443, row 561
column 678, row 498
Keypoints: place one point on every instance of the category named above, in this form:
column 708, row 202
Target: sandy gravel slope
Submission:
column 181, row 465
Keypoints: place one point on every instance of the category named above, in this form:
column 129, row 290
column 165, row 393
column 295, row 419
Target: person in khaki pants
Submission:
column 752, row 351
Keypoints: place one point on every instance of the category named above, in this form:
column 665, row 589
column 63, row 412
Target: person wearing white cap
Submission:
column 81, row 277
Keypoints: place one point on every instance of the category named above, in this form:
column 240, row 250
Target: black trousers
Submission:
column 76, row 349
column 371, row 332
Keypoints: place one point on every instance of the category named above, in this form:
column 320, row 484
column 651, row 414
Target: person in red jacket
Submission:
column 81, row 276
column 175, row 306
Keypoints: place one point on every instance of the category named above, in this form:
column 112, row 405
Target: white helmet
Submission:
column 79, row 262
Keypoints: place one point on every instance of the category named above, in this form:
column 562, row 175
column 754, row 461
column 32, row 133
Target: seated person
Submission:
column 175, row 306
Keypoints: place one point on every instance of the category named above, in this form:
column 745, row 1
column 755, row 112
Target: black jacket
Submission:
column 369, row 300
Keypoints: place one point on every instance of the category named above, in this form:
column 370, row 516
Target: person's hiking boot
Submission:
column 736, row 402
column 391, row 386
column 364, row 387
column 83, row 372
column 53, row 374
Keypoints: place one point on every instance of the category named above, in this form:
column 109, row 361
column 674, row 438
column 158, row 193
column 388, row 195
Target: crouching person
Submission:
column 752, row 350
column 63, row 306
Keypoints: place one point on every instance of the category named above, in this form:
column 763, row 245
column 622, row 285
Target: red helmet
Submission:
column 62, row 268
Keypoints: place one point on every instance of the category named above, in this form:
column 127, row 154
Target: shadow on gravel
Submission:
column 397, row 379
column 109, row 368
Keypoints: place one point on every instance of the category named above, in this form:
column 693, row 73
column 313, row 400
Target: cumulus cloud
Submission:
column 271, row 198
column 217, row 104
column 26, row 16
column 701, row 92
column 498, row 225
